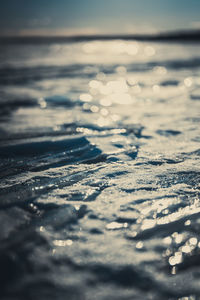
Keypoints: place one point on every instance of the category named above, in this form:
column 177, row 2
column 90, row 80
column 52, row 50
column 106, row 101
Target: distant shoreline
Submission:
column 176, row 36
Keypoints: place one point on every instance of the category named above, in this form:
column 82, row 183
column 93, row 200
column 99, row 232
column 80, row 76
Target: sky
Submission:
column 72, row 17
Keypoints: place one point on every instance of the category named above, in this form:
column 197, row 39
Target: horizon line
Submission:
column 182, row 34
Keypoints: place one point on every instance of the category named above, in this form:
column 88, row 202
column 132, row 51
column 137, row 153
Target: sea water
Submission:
column 100, row 178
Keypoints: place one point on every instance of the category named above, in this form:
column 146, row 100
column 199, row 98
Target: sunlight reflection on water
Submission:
column 103, row 145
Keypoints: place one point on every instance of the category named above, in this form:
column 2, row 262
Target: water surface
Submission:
column 99, row 159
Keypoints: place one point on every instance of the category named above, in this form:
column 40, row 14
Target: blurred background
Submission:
column 67, row 17
column 99, row 150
